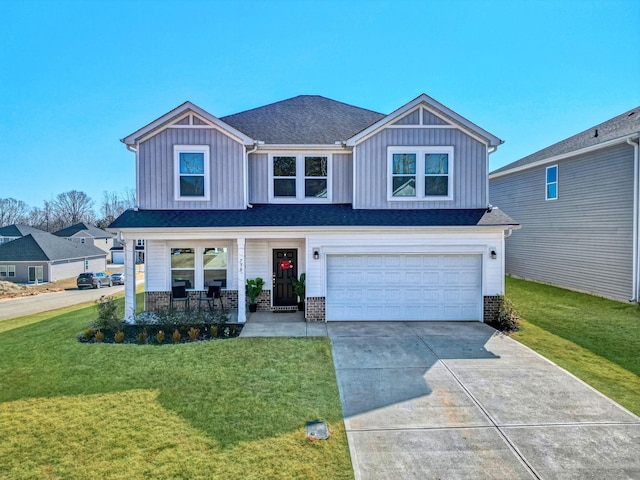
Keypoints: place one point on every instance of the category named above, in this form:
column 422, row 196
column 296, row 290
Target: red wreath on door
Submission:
column 285, row 264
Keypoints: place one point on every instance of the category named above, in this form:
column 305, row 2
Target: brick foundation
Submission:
column 154, row 301
column 491, row 307
column 315, row 309
column 264, row 301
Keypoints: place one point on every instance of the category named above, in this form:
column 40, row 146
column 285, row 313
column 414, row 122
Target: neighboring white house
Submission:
column 117, row 252
column 88, row 234
column 386, row 214
column 578, row 201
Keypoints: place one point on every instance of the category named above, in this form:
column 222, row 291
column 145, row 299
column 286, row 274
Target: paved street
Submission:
column 51, row 301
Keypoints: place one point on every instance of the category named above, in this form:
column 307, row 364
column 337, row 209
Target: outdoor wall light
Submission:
column 494, row 255
column 316, row 254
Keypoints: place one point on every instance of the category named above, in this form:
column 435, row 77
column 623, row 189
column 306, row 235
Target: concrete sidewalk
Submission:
column 452, row 400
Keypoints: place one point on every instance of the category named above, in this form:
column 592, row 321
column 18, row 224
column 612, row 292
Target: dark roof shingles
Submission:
column 95, row 232
column 336, row 215
column 17, row 230
column 303, row 120
column 625, row 124
column 45, row 247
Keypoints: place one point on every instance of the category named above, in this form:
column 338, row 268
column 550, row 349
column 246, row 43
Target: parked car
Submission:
column 93, row 280
column 117, row 278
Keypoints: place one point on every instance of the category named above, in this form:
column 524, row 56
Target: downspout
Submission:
column 636, row 166
column 246, row 174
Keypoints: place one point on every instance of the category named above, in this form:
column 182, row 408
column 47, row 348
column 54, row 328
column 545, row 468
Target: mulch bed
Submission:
column 148, row 334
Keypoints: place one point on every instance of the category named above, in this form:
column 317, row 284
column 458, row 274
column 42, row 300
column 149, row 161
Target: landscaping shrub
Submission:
column 108, row 316
column 507, row 319
column 152, row 327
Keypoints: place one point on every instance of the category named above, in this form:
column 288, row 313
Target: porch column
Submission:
column 242, row 278
column 130, row 282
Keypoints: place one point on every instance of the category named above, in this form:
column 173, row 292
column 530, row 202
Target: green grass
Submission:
column 597, row 340
column 222, row 409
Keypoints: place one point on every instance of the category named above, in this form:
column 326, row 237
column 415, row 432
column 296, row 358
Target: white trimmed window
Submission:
column 197, row 267
column 214, row 265
column 551, row 189
column 7, row 271
column 300, row 178
column 420, row 173
column 191, row 172
column 183, row 266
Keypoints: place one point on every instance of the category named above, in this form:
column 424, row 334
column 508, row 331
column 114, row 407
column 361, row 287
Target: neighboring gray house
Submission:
column 577, row 201
column 15, row 231
column 88, row 234
column 387, row 215
column 43, row 257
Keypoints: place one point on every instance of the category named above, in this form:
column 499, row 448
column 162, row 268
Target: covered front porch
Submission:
column 199, row 259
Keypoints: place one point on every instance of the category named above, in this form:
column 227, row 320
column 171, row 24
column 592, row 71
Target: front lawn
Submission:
column 597, row 340
column 221, row 409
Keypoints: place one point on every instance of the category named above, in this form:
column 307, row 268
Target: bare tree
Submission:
column 73, row 207
column 13, row 211
column 114, row 205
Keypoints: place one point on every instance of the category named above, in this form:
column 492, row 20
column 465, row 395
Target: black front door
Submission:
column 285, row 269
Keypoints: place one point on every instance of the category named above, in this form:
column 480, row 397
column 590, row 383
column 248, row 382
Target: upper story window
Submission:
column 552, row 183
column 420, row 173
column 300, row 178
column 191, row 172
column 139, row 243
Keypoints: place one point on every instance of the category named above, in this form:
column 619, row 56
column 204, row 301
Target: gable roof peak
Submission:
column 166, row 119
column 434, row 105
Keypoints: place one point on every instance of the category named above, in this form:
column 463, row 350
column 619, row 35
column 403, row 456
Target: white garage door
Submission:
column 404, row 287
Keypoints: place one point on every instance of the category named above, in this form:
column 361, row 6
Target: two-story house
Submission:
column 88, row 234
column 579, row 203
column 387, row 215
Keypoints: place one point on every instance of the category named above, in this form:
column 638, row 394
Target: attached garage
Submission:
column 404, row 287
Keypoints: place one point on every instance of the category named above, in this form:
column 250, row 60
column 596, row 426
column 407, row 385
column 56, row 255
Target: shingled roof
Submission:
column 17, row 230
column 45, row 247
column 95, row 232
column 303, row 120
column 618, row 127
column 336, row 215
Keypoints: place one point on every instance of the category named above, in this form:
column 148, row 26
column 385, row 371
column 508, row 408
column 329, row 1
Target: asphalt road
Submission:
column 51, row 301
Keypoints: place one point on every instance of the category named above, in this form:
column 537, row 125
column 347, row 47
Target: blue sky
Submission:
column 77, row 76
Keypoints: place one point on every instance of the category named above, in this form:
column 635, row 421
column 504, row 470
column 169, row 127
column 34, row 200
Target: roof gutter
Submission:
column 636, row 200
column 562, row 156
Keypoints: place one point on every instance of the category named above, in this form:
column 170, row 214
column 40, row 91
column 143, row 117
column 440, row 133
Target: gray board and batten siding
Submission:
column 583, row 239
column 341, row 175
column 469, row 168
column 156, row 170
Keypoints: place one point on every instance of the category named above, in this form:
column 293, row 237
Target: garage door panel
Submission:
column 404, row 287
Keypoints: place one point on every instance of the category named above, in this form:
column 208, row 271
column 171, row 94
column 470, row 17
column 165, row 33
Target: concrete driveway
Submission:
column 450, row 400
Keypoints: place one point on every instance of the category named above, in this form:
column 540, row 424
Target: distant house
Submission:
column 117, row 252
column 44, row 257
column 88, row 234
column 577, row 201
column 15, row 231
